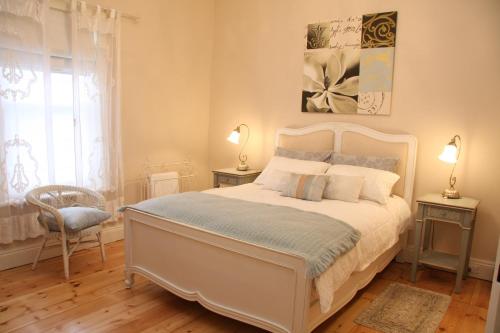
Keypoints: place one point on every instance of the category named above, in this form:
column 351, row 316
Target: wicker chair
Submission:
column 48, row 200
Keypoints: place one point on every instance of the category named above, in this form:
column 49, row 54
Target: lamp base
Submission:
column 451, row 193
column 242, row 167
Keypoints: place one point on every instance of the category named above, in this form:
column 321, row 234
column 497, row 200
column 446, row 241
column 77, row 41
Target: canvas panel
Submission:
column 348, row 65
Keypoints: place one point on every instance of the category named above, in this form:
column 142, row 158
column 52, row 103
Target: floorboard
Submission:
column 95, row 300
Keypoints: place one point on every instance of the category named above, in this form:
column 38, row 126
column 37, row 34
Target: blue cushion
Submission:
column 78, row 218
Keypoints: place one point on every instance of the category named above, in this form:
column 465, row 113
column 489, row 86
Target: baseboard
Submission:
column 22, row 253
column 481, row 269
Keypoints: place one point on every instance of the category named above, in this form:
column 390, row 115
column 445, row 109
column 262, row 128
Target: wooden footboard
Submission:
column 259, row 286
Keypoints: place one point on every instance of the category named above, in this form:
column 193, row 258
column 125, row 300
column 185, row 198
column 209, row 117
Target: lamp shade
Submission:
column 234, row 137
column 449, row 154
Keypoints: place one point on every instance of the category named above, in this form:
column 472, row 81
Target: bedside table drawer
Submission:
column 232, row 177
column 227, row 180
column 446, row 214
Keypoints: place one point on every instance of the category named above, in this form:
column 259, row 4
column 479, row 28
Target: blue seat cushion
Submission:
column 77, row 218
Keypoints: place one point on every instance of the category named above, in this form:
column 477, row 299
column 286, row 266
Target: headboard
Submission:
column 356, row 139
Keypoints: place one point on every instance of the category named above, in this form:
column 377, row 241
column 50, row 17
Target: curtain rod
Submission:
column 62, row 5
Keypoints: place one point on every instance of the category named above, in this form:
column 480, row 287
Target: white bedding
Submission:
column 380, row 226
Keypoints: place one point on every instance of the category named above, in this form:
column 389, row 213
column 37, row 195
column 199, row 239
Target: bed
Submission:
column 268, row 288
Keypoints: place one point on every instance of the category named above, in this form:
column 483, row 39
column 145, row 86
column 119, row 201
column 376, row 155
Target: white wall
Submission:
column 166, row 70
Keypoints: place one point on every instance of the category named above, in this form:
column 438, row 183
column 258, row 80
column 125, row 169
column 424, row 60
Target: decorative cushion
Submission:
column 345, row 188
column 320, row 156
column 306, row 187
column 291, row 165
column 378, row 184
column 374, row 162
column 77, row 218
column 278, row 180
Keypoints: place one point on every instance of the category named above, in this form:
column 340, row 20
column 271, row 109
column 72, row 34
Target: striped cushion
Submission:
column 306, row 187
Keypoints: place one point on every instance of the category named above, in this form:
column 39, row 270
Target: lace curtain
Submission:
column 59, row 106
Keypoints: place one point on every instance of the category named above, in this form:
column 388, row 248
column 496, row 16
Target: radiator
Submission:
column 160, row 184
column 493, row 321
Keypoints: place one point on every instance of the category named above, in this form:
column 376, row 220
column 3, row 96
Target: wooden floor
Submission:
column 95, row 300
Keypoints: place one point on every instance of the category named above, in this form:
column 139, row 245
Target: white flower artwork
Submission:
column 348, row 65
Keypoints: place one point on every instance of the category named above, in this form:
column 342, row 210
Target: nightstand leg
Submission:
column 467, row 258
column 418, row 238
column 462, row 259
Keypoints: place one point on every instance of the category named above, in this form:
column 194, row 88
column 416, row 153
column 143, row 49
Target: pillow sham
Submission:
column 374, row 162
column 378, row 184
column 305, row 187
column 345, row 188
column 277, row 181
column 320, row 156
column 290, row 165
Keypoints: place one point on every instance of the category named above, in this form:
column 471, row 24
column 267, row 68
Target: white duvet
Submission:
column 380, row 226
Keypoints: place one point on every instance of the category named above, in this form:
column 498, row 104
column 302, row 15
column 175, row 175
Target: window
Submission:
column 59, row 105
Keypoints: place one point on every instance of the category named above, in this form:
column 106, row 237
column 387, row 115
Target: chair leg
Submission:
column 65, row 258
column 101, row 244
column 39, row 252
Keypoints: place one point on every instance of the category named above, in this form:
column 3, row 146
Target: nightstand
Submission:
column 233, row 177
column 434, row 208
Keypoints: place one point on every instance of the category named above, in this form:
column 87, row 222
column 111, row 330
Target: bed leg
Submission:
column 129, row 279
column 401, row 257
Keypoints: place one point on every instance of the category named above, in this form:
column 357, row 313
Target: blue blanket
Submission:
column 317, row 238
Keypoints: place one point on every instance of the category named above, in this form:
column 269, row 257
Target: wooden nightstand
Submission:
column 233, row 177
column 434, row 208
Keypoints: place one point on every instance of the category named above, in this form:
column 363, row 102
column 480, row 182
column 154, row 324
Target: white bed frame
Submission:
column 240, row 280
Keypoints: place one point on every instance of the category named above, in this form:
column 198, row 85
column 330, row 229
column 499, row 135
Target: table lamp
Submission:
column 234, row 137
column 451, row 154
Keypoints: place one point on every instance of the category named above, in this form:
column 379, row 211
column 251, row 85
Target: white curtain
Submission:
column 59, row 106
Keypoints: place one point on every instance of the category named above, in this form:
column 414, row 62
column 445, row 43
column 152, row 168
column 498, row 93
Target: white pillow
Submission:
column 278, row 180
column 345, row 188
column 378, row 184
column 290, row 165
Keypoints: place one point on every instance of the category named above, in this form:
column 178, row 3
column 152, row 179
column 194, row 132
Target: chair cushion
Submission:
column 78, row 218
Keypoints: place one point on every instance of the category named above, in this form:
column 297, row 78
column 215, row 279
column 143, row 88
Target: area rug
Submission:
column 405, row 309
